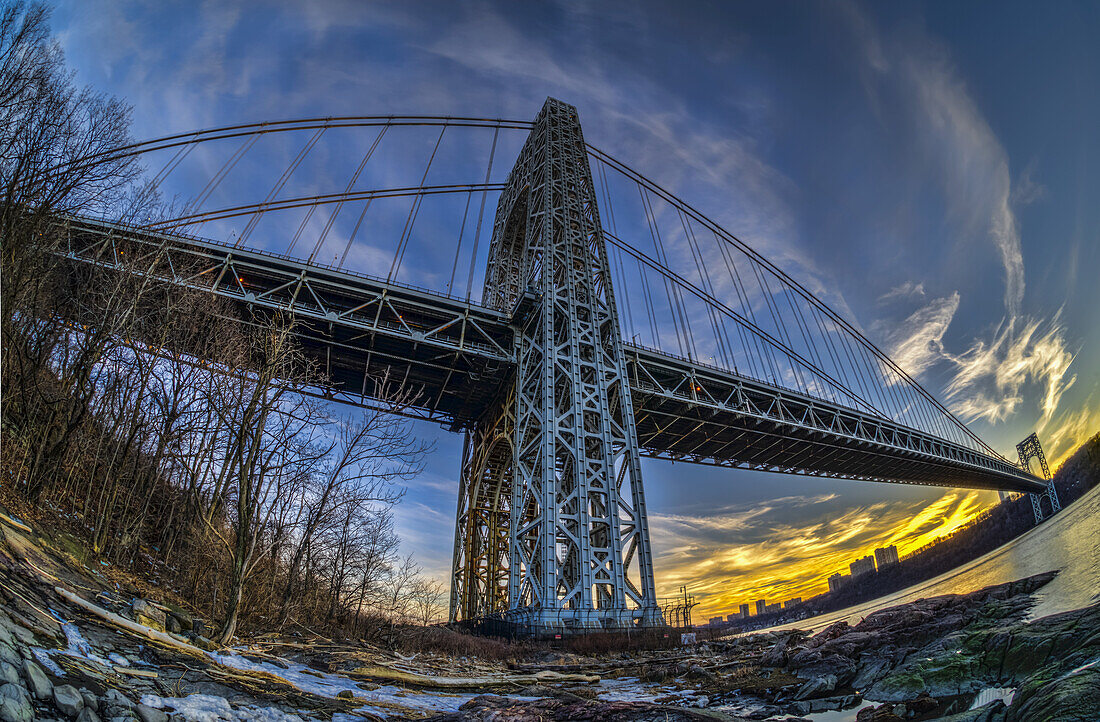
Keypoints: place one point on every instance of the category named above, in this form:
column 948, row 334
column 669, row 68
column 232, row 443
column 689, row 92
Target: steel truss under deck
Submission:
column 357, row 328
column 551, row 530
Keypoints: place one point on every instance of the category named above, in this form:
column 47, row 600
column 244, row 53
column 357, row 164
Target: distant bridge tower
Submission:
column 552, row 531
column 1030, row 449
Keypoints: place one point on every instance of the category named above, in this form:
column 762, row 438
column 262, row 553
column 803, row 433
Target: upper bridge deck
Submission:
column 457, row 356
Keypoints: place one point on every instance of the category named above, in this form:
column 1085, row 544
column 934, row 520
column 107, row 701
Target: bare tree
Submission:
column 371, row 454
column 125, row 403
column 427, row 600
column 261, row 453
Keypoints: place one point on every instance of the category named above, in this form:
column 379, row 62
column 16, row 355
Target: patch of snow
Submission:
column 78, row 646
column 44, row 659
column 991, row 694
column 631, row 689
column 209, row 708
column 118, row 659
column 324, row 684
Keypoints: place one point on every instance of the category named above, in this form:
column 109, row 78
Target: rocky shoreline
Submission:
column 76, row 646
column 925, row 660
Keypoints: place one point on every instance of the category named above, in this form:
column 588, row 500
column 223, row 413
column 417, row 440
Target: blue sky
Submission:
column 932, row 169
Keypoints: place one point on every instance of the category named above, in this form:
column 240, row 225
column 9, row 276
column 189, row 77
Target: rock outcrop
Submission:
column 949, row 648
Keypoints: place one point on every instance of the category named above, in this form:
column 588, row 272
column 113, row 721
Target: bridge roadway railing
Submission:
column 688, row 411
column 457, row 356
column 447, row 351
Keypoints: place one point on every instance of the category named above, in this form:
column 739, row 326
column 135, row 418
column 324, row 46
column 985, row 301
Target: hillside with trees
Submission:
column 153, row 430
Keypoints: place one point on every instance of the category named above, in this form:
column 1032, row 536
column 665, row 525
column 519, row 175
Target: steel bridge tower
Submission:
column 552, row 532
column 1029, row 449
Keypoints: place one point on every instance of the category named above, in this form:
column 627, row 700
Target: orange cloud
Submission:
column 737, row 555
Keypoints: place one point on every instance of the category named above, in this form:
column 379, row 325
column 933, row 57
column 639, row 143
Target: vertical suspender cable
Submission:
column 704, row 279
column 406, row 234
column 458, row 247
column 618, row 268
column 649, row 307
column 279, row 184
column 218, row 177
column 621, row 279
column 747, row 311
column 354, row 231
column 480, row 215
column 351, row 184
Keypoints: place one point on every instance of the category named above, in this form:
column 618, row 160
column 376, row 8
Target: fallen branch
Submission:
column 133, row 627
column 147, row 673
column 15, row 523
column 419, row 680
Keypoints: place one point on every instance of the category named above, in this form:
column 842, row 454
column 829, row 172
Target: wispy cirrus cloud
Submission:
column 917, row 74
column 905, row 290
column 1068, row 430
column 990, row 376
column 917, row 342
column 988, row 379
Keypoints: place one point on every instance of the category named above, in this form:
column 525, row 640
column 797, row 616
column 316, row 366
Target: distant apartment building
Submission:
column 791, row 602
column 862, row 566
column 744, row 611
column 837, row 581
column 886, row 555
column 773, row 608
column 716, row 621
column 761, row 607
column 735, row 617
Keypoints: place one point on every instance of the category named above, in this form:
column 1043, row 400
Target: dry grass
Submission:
column 442, row 640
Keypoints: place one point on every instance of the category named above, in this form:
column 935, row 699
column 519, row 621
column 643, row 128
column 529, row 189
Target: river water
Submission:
column 1068, row 542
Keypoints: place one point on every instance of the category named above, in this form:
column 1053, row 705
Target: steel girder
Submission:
column 690, row 412
column 461, row 357
column 577, row 525
column 357, row 329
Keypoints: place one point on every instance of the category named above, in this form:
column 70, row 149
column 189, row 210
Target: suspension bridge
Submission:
column 615, row 322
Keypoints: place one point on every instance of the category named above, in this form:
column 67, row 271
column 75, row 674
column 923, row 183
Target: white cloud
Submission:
column 1062, row 435
column 954, row 137
column 917, row 342
column 989, row 377
column 903, row 291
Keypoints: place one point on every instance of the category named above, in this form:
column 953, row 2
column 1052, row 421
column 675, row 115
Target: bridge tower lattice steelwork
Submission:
column 551, row 531
column 1029, row 449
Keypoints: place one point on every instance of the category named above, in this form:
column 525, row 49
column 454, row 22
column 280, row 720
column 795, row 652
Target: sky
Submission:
column 932, row 170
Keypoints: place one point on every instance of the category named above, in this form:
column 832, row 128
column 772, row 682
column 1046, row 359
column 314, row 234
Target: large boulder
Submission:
column 15, row 704
column 149, row 714
column 871, row 669
column 830, row 633
column 116, row 704
column 182, row 619
column 68, row 700
column 777, row 655
column 816, row 687
column 87, row 715
column 1070, row 697
column 37, row 681
column 145, row 613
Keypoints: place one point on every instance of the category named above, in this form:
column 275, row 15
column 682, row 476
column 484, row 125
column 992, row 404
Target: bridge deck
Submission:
column 457, row 356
